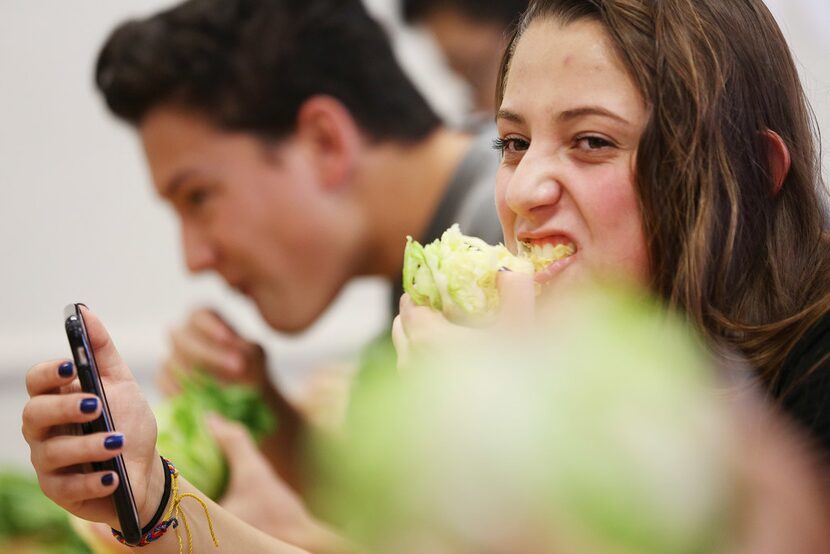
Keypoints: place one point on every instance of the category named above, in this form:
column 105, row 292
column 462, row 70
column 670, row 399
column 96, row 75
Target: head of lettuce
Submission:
column 457, row 274
column 184, row 436
column 602, row 430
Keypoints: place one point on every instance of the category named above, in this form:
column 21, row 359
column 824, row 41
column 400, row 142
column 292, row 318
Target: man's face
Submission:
column 255, row 213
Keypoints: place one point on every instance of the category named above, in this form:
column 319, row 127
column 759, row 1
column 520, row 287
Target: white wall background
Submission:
column 79, row 222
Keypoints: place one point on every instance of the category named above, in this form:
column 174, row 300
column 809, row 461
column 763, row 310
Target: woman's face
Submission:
column 569, row 124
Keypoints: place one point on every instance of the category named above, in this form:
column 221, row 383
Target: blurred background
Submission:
column 79, row 220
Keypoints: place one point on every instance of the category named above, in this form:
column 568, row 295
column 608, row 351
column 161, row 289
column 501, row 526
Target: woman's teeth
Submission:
column 542, row 255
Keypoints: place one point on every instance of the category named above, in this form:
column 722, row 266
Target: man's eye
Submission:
column 197, row 197
column 510, row 145
column 592, row 143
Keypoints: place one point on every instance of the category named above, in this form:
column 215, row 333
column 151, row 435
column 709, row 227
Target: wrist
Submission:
column 316, row 537
column 155, row 493
column 168, row 513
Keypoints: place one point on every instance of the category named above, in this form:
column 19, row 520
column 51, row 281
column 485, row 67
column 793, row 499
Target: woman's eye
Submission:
column 510, row 145
column 591, row 143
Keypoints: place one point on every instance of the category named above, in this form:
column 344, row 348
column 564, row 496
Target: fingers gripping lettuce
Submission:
column 183, row 434
column 456, row 274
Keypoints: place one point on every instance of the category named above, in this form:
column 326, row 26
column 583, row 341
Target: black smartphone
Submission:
column 91, row 383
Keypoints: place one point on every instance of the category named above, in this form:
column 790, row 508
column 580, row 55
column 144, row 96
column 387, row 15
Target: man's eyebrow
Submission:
column 584, row 111
column 172, row 187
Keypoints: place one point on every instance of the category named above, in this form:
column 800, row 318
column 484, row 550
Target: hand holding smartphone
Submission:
column 91, row 383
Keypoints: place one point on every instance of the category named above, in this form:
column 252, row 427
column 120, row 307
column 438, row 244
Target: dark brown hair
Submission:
column 505, row 12
column 249, row 65
column 750, row 267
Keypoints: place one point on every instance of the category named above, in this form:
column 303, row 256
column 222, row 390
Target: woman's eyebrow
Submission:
column 584, row 111
column 509, row 116
column 567, row 115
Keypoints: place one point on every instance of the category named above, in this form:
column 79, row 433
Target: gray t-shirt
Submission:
column 469, row 200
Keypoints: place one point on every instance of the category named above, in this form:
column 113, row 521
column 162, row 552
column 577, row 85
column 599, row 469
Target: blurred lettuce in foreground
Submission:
column 30, row 523
column 456, row 275
column 185, row 438
column 602, row 433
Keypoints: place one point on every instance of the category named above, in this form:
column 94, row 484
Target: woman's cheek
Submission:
column 506, row 215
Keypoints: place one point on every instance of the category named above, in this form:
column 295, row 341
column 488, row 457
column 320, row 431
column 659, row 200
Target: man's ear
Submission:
column 778, row 159
column 332, row 136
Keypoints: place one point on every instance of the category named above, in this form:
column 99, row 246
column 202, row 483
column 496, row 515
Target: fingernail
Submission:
column 89, row 405
column 114, row 442
column 107, row 479
column 65, row 369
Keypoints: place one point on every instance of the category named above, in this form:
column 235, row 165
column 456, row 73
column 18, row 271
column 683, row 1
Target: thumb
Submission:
column 107, row 358
column 250, row 473
column 517, row 293
column 239, row 448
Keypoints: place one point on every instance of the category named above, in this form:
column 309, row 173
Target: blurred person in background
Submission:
column 472, row 35
column 297, row 156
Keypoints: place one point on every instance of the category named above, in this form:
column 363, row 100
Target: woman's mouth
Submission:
column 549, row 256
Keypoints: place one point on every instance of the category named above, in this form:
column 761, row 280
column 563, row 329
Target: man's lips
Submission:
column 241, row 287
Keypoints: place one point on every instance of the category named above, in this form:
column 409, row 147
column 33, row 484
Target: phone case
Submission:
column 91, row 383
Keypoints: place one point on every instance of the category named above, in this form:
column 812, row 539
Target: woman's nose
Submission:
column 534, row 186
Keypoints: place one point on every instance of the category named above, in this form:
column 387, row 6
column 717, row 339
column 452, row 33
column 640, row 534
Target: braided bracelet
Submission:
column 153, row 531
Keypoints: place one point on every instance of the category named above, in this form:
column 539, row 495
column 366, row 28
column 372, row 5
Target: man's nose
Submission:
column 199, row 254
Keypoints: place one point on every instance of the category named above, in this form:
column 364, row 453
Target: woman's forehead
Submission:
column 561, row 65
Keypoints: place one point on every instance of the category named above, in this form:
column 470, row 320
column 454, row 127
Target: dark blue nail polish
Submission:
column 107, row 479
column 65, row 369
column 89, row 405
column 114, row 442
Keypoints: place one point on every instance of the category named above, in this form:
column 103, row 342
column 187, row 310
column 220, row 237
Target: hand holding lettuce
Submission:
column 457, row 274
column 184, row 436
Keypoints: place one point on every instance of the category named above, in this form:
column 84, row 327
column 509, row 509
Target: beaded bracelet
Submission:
column 152, row 531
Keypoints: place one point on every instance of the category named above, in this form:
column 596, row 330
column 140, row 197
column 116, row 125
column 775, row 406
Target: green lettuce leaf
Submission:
column 185, row 438
column 31, row 522
column 456, row 275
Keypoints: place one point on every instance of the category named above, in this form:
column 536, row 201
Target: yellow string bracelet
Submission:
column 172, row 516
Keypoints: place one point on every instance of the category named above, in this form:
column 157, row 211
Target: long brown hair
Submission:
column 749, row 266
